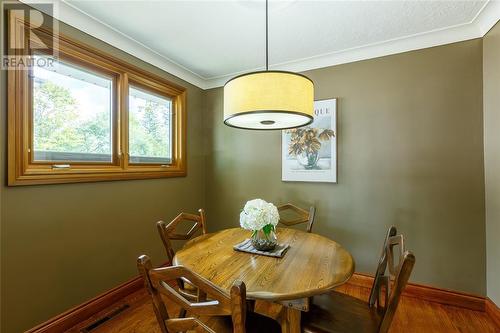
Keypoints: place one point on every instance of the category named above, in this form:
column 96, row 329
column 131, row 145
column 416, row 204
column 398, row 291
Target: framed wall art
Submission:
column 309, row 153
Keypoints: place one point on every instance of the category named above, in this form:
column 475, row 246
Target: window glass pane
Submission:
column 72, row 114
column 150, row 128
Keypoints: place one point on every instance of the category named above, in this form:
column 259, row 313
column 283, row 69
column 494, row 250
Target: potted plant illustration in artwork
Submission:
column 305, row 144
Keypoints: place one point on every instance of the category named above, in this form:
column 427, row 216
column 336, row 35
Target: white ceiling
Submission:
column 207, row 42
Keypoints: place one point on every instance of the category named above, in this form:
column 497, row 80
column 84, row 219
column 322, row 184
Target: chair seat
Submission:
column 337, row 312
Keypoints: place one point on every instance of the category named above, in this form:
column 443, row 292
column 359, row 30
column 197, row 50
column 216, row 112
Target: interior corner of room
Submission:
column 417, row 146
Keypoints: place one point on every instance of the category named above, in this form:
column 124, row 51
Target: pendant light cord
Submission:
column 267, row 36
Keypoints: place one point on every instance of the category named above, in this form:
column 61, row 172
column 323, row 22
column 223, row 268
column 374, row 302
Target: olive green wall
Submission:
column 64, row 244
column 410, row 152
column 491, row 86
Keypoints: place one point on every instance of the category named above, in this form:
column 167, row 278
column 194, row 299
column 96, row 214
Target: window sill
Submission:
column 79, row 176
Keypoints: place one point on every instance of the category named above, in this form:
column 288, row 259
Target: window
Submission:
column 72, row 114
column 150, row 133
column 91, row 117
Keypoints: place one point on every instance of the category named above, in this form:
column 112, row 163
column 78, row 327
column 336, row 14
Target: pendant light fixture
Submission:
column 268, row 100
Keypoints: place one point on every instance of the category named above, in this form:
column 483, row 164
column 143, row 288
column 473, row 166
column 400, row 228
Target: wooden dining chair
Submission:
column 202, row 315
column 300, row 215
column 169, row 232
column 338, row 312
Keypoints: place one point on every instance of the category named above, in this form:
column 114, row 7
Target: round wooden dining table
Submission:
column 281, row 287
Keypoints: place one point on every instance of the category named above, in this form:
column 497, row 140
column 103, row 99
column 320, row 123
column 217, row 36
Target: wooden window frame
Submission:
column 23, row 170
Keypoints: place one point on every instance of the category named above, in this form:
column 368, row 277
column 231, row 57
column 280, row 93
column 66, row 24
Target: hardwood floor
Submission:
column 413, row 316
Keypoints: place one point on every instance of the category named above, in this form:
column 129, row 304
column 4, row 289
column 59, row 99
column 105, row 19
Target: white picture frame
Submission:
column 312, row 160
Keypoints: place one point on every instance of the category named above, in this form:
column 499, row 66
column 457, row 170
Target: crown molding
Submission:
column 386, row 48
column 477, row 28
column 488, row 17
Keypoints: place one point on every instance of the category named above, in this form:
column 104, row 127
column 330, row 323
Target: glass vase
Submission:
column 264, row 242
column 308, row 160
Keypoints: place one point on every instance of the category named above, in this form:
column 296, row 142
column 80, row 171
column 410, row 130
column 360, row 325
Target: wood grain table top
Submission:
column 313, row 265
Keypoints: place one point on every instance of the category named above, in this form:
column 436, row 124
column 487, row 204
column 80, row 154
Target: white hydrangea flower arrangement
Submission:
column 259, row 215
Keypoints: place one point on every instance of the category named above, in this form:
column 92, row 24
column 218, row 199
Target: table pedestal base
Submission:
column 290, row 320
column 286, row 313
